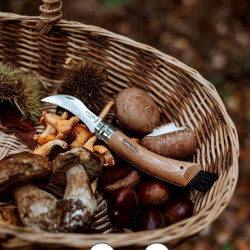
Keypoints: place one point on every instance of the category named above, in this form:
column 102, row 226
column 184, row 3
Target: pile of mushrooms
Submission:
column 136, row 201
column 39, row 209
column 26, row 176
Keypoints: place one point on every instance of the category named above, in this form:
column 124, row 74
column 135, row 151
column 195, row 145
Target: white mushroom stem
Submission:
column 32, row 203
column 78, row 206
column 78, row 188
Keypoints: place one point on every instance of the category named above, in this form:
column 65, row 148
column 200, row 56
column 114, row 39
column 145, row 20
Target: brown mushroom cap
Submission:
column 136, row 111
column 75, row 156
column 179, row 145
column 20, row 168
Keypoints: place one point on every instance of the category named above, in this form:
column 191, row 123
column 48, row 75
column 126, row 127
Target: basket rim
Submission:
column 121, row 240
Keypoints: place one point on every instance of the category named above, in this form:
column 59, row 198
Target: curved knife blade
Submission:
column 76, row 107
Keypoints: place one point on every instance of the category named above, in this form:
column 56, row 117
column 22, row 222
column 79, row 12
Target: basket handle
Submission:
column 50, row 13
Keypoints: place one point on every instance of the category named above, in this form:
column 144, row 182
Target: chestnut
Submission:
column 178, row 209
column 148, row 220
column 152, row 193
column 119, row 176
column 122, row 207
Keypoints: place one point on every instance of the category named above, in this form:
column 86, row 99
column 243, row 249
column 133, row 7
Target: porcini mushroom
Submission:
column 64, row 161
column 73, row 170
column 170, row 141
column 16, row 173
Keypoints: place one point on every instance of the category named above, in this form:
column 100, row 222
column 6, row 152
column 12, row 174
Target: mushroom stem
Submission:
column 32, row 203
column 44, row 149
column 90, row 143
column 73, row 170
column 78, row 187
column 78, row 206
column 106, row 110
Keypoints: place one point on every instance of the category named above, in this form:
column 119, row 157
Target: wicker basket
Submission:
column 43, row 43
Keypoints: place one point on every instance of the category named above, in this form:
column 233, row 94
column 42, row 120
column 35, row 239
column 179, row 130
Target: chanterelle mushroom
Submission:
column 16, row 173
column 81, row 134
column 46, row 148
column 73, row 169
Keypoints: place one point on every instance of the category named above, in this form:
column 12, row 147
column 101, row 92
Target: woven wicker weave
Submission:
column 43, row 43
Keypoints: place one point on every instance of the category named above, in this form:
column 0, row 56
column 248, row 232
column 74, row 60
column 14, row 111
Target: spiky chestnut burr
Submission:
column 85, row 80
column 21, row 88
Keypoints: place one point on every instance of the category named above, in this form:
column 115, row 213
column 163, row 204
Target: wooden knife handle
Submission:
column 177, row 172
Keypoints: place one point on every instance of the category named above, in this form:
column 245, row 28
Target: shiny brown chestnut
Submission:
column 152, row 193
column 149, row 219
column 178, row 209
column 122, row 207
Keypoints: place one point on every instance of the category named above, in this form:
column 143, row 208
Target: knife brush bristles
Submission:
column 23, row 89
column 203, row 181
column 85, row 81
